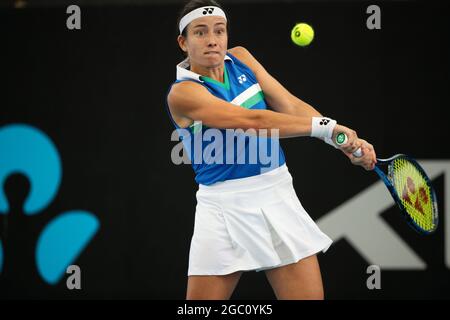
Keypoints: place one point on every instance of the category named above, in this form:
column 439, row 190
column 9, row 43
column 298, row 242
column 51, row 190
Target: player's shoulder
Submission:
column 241, row 53
column 244, row 55
column 239, row 50
column 184, row 87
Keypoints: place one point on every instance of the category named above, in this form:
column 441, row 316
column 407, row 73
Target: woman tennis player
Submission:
column 246, row 218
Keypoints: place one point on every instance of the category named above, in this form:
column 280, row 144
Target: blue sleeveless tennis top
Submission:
column 236, row 156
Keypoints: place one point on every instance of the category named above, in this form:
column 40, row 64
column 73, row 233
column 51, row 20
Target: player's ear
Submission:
column 182, row 43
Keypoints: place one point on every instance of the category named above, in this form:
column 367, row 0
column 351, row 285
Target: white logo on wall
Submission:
column 358, row 221
column 74, row 20
column 74, row 280
column 374, row 20
column 374, row 280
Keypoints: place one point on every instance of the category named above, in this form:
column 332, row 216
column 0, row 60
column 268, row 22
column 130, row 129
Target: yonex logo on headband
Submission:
column 198, row 13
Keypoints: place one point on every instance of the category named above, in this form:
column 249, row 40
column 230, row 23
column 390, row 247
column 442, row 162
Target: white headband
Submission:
column 198, row 13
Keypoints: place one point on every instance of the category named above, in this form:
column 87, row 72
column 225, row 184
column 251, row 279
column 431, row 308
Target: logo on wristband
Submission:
column 324, row 122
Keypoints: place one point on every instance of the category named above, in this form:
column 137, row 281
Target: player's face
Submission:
column 207, row 40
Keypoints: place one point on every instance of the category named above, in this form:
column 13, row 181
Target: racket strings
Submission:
column 413, row 191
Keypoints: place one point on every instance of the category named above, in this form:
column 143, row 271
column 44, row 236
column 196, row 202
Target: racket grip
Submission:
column 358, row 153
column 341, row 139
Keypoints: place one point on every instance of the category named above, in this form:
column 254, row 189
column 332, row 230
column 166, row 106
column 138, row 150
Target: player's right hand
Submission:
column 368, row 158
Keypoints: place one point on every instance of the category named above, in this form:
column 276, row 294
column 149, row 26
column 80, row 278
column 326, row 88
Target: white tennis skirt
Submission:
column 254, row 223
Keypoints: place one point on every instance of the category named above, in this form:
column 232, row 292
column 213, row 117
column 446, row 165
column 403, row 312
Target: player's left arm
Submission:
column 281, row 100
column 277, row 96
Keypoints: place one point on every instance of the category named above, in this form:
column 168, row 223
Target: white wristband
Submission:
column 322, row 127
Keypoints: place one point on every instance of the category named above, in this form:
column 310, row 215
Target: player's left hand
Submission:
column 369, row 157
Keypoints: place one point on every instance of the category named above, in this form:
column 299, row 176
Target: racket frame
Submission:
column 391, row 188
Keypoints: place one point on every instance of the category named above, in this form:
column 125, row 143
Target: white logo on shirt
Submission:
column 242, row 78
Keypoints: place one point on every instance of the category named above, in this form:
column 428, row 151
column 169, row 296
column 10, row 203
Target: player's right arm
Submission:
column 193, row 101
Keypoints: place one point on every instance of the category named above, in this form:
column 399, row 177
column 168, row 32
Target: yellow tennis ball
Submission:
column 302, row 34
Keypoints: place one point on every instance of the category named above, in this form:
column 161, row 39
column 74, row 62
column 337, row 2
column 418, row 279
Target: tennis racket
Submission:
column 410, row 188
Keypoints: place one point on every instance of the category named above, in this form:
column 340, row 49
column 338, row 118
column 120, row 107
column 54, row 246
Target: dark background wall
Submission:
column 99, row 94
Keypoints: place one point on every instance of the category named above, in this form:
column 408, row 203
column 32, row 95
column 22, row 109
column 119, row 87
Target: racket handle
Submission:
column 341, row 139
